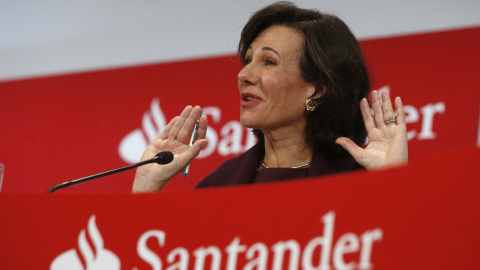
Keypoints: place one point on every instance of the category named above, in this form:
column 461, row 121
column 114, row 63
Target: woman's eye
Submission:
column 270, row 62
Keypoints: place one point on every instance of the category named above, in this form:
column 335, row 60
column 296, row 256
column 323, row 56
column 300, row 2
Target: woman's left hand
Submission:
column 387, row 142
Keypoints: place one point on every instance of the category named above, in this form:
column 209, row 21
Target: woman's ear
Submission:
column 314, row 92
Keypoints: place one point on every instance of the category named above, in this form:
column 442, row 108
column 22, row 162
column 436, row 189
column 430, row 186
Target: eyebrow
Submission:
column 266, row 49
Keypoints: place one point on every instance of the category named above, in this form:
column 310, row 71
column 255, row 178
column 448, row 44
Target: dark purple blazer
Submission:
column 241, row 170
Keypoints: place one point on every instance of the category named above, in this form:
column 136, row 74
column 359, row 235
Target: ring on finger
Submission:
column 390, row 120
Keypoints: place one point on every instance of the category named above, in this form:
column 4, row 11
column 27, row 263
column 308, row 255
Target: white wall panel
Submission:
column 51, row 37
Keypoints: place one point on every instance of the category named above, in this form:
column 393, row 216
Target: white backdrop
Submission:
column 40, row 37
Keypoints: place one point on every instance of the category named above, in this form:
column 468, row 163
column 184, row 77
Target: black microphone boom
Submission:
column 160, row 158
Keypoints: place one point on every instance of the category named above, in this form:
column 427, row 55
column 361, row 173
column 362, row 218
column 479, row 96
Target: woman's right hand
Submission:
column 175, row 138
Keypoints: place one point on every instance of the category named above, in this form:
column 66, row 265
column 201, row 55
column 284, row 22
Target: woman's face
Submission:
column 272, row 93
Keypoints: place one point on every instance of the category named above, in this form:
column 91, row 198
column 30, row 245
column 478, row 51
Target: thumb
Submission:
column 186, row 157
column 196, row 147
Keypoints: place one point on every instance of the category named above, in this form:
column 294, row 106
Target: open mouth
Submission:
column 248, row 99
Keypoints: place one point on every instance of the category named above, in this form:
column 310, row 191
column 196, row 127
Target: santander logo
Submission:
column 94, row 257
column 153, row 122
column 325, row 249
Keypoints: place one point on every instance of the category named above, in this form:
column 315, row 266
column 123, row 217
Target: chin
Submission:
column 248, row 124
column 249, row 121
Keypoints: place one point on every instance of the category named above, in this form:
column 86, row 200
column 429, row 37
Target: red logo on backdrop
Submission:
column 153, row 122
column 94, row 257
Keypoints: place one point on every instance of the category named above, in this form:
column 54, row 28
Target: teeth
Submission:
column 248, row 98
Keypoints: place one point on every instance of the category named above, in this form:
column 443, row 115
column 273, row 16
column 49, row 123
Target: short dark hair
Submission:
column 333, row 61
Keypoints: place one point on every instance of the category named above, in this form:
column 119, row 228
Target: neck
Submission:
column 286, row 149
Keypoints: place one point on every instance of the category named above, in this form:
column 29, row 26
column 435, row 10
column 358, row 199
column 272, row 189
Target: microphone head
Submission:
column 164, row 157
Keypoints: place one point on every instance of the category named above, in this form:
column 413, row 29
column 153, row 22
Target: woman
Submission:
column 302, row 89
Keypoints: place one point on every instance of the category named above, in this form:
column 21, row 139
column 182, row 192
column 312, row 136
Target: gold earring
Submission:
column 311, row 104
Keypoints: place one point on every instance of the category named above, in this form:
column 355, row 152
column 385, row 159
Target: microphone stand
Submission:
column 157, row 159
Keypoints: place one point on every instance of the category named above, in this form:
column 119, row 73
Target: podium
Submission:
column 422, row 216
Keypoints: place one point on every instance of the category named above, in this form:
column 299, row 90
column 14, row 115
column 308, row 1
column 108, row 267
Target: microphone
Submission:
column 160, row 158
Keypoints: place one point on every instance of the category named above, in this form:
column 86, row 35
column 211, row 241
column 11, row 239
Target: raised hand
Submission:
column 175, row 138
column 387, row 135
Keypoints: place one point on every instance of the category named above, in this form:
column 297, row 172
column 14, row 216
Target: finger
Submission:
column 400, row 112
column 164, row 134
column 202, row 128
column 377, row 109
column 187, row 156
column 387, row 106
column 367, row 115
column 197, row 147
column 179, row 123
column 187, row 129
column 352, row 148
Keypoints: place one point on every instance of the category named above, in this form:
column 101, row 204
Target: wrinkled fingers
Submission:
column 367, row 115
column 164, row 134
column 173, row 134
column 202, row 128
column 388, row 112
column 400, row 112
column 377, row 109
column 186, row 130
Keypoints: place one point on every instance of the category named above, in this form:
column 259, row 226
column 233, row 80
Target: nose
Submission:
column 248, row 75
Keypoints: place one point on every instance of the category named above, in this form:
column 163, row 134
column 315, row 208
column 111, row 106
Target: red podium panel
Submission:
column 423, row 216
